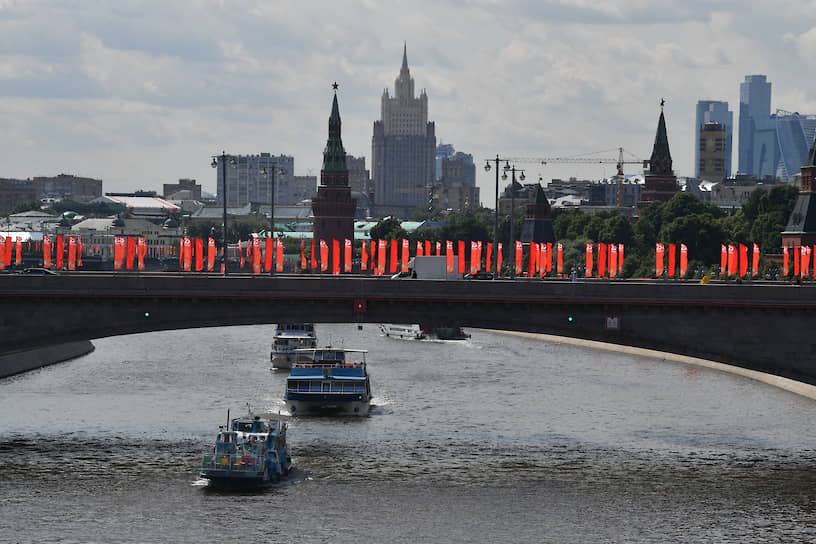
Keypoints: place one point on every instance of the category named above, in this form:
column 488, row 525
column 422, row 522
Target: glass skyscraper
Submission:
column 713, row 111
column 795, row 133
column 754, row 117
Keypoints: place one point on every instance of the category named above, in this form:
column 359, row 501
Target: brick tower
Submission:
column 801, row 227
column 332, row 206
column 661, row 183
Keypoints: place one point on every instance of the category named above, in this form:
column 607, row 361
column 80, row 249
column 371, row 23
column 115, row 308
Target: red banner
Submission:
column 785, row 268
column 620, row 258
column 303, row 264
column 324, row 255
column 461, row 255
column 672, row 259
column 199, row 254
column 448, row 256
column 419, row 249
column 532, row 260
column 278, row 255
column 613, row 260
column 560, row 259
column 732, row 260
column 683, row 260
column 405, row 255
column 488, row 257
column 314, row 261
column 382, row 246
column 427, row 247
column 187, row 245
column 601, row 259
column 119, row 244
column 755, row 263
column 659, row 253
column 795, row 261
column 804, row 261
column 364, row 257
column 71, row 252
column 46, row 252
column 141, row 251
column 60, row 251
column 256, row 255
column 588, row 263
column 543, row 256
column 499, row 257
column 724, row 259
column 743, row 257
column 347, row 255
column 268, row 253
column 394, row 257
column 438, row 249
column 518, row 257
column 241, row 254
column 210, row 254
column 335, row 256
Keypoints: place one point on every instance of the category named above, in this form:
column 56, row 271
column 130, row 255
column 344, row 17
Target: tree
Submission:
column 388, row 229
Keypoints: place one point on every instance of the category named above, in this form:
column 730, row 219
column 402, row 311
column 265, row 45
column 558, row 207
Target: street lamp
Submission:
column 496, row 218
column 232, row 162
column 266, row 170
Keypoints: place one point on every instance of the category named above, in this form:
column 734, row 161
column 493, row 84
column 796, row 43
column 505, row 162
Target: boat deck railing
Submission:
column 233, row 463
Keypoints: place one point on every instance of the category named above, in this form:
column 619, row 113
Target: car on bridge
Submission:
column 39, row 272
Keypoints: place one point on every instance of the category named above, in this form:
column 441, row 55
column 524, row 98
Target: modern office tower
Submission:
column 754, row 116
column 709, row 111
column 250, row 178
column 456, row 188
column 795, row 133
column 403, row 149
column 359, row 179
column 711, row 151
column 660, row 182
column 332, row 206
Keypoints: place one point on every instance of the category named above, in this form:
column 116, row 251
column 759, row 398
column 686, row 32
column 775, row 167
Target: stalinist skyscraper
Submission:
column 403, row 149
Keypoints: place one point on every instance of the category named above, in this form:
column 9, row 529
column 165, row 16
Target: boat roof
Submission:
column 336, row 373
column 344, row 350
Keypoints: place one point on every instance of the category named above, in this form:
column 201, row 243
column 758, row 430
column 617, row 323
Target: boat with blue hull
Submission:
column 288, row 338
column 329, row 382
column 250, row 452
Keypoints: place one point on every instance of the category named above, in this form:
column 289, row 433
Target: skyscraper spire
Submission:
column 334, row 156
column 661, row 161
column 404, row 58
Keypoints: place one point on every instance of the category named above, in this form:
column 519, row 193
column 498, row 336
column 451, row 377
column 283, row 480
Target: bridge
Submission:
column 760, row 326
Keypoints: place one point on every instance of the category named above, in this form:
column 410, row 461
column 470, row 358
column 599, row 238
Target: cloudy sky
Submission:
column 143, row 93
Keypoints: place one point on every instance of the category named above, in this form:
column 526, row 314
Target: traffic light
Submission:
column 359, row 305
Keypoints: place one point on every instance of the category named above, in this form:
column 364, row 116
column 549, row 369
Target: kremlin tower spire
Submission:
column 661, row 183
column 332, row 206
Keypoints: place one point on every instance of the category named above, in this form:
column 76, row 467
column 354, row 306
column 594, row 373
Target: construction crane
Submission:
column 584, row 159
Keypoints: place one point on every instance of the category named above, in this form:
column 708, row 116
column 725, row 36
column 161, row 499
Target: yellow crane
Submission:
column 586, row 159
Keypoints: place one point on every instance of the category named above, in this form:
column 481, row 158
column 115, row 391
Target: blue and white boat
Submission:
column 289, row 337
column 329, row 381
column 250, row 452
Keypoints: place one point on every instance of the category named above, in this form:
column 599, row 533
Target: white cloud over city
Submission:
column 143, row 93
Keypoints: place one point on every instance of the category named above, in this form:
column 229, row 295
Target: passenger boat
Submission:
column 329, row 381
column 250, row 452
column 289, row 337
column 411, row 332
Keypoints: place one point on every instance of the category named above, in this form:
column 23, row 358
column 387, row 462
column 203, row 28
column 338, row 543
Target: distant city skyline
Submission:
column 144, row 94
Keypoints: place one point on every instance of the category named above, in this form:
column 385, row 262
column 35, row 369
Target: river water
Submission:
column 495, row 439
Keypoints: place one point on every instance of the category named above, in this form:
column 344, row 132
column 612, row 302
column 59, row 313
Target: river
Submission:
column 494, row 439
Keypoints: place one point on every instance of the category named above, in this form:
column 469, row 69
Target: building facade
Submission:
column 250, row 180
column 801, row 227
column 68, row 187
column 14, row 192
column 714, row 111
column 711, row 152
column 403, row 149
column 795, row 133
column 185, row 189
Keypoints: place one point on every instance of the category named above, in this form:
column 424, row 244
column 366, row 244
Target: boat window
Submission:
column 315, row 387
column 348, row 388
column 336, row 387
column 303, row 386
column 359, row 388
column 326, row 387
column 292, row 385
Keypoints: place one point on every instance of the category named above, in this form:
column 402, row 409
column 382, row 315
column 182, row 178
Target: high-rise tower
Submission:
column 661, row 183
column 713, row 111
column 332, row 206
column 755, row 127
column 403, row 149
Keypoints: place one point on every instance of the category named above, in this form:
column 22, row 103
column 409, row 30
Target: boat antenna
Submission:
column 227, row 427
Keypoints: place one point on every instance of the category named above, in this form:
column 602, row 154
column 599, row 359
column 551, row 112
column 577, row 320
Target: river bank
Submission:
column 23, row 361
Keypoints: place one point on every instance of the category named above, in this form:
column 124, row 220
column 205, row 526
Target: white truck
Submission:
column 430, row 267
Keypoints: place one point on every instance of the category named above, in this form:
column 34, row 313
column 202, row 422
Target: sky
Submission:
column 143, row 93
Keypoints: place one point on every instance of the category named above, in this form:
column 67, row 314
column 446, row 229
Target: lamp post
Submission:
column 215, row 160
column 496, row 218
column 266, row 170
